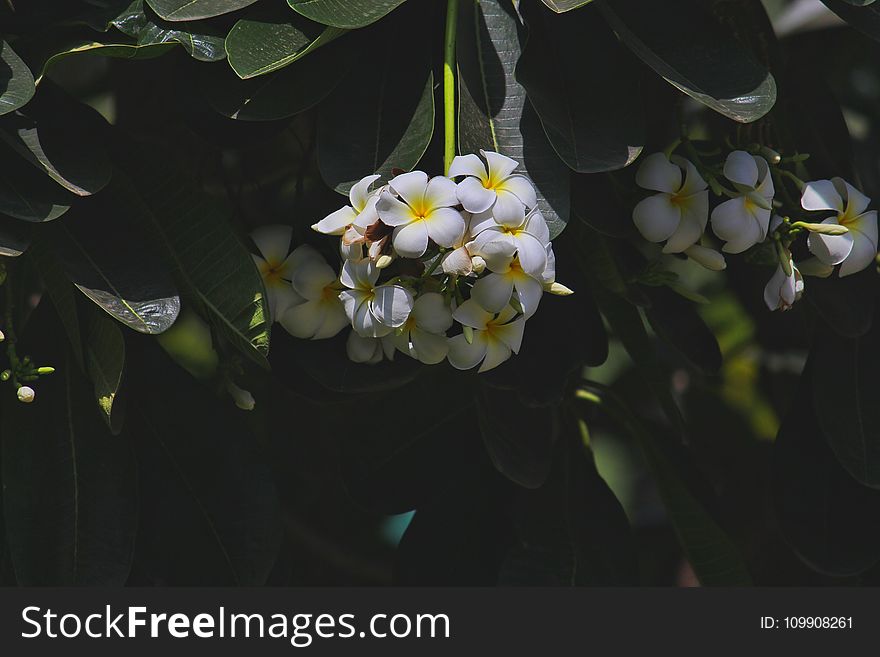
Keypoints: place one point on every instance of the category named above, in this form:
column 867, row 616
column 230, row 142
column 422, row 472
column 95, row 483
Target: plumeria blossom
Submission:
column 319, row 312
column 423, row 335
column 275, row 264
column 855, row 249
column 507, row 278
column 494, row 337
column 743, row 221
column 373, row 310
column 368, row 350
column 425, row 210
column 352, row 221
column 493, row 186
column 783, row 289
column 678, row 213
column 528, row 239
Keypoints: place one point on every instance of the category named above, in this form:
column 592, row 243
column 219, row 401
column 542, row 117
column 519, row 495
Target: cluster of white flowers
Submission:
column 678, row 213
column 419, row 254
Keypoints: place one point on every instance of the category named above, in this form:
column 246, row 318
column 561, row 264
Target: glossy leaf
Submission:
column 348, row 14
column 16, row 80
column 493, row 111
column 29, row 194
column 682, row 42
column 267, row 42
column 582, row 84
column 43, row 62
column 193, row 10
column 203, row 41
column 560, row 6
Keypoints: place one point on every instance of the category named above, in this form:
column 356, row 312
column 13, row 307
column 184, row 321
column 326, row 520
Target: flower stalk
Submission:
column 449, row 84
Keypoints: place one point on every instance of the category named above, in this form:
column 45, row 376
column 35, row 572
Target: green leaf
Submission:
column 16, row 80
column 105, row 363
column 709, row 550
column 391, row 124
column 580, row 81
column 844, row 371
column 41, row 133
column 277, row 95
column 561, row 6
column 44, row 61
column 846, row 304
column 684, row 43
column 493, row 111
column 859, row 14
column 69, row 486
column 26, row 193
column 348, row 14
column 268, row 41
column 677, row 323
column 193, row 10
column 831, row 521
column 203, row 41
column 572, row 531
column 15, row 237
column 193, row 231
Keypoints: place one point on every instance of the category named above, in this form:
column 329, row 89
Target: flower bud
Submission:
column 383, row 261
column 825, row 229
column 2, row 336
column 5, row 375
column 26, row 394
column 478, row 264
column 45, row 370
column 560, row 290
column 242, row 398
column 709, row 258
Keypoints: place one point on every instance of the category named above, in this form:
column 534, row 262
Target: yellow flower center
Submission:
column 272, row 272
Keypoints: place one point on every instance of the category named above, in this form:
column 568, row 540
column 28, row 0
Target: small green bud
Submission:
column 468, row 334
column 45, row 370
column 5, row 375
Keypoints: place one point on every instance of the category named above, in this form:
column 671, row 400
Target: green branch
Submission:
column 449, row 84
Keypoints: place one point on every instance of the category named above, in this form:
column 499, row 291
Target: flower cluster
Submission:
column 437, row 268
column 677, row 214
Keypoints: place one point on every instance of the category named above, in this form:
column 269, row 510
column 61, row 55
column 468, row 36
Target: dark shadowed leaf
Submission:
column 15, row 237
column 270, row 40
column 392, row 122
column 572, row 531
column 69, row 485
column 595, row 201
column 203, row 40
column 684, row 43
column 860, row 14
column 493, row 113
column 25, row 192
column 678, row 323
column 193, row 10
column 16, row 80
column 584, row 86
column 831, row 521
column 348, row 14
column 846, row 304
column 105, row 365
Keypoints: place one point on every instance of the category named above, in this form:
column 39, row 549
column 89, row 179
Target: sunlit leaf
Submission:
column 347, row 14
column 203, row 41
column 16, row 80
column 193, row 10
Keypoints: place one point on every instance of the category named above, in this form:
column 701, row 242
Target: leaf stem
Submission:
column 449, row 84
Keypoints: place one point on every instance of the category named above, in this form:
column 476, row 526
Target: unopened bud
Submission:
column 45, row 370
column 468, row 334
column 478, row 264
column 825, row 229
column 5, row 375
column 770, row 155
column 26, row 394
column 2, row 336
column 242, row 398
column 383, row 261
column 560, row 290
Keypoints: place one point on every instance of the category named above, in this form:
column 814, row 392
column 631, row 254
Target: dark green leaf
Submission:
column 583, row 85
column 493, row 112
column 203, row 41
column 349, row 14
column 392, row 122
column 15, row 237
column 16, row 80
column 859, row 14
column 560, row 6
column 684, row 43
column 26, row 193
column 193, row 10
column 69, row 486
column 677, row 323
column 266, row 42
column 105, row 363
column 846, row 304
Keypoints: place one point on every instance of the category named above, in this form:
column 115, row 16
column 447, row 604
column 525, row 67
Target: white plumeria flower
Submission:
column 494, row 337
column 426, row 212
column 459, row 261
column 528, row 239
column 678, row 214
column 367, row 350
column 855, row 249
column 352, row 220
column 743, row 221
column 423, row 335
column 782, row 290
column 373, row 310
column 275, row 264
column 507, row 278
column 494, row 188
column 320, row 313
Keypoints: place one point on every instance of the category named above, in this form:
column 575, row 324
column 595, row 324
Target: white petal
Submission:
column 532, row 254
column 280, row 298
column 432, row 313
column 429, row 348
column 741, row 167
column 730, row 219
column 492, row 292
column 508, row 209
column 360, row 192
column 658, row 174
column 394, row 212
column 830, row 249
column 273, row 242
column 411, row 241
column 863, row 253
column 520, row 187
column 410, row 186
column 773, row 288
column 457, row 262
column 440, row 193
column 463, row 355
column 709, row 258
column 470, row 313
column 500, row 166
column 529, row 291
column 392, row 305
column 821, row 195
column 304, row 320
column 473, row 196
column 336, row 222
column 352, row 300
column 310, row 280
column 693, row 182
column 511, row 333
column 366, row 324
column 359, row 274
column 480, row 222
column 361, row 349
column 445, row 226
column 496, row 353
column 856, row 202
column 656, row 217
column 765, row 187
column 866, row 224
column 548, row 276
column 689, row 232
column 536, row 225
column 334, row 320
column 468, row 165
column 368, row 215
